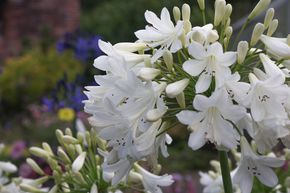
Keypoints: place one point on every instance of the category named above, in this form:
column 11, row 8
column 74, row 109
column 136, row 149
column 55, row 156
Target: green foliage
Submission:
column 117, row 20
column 27, row 78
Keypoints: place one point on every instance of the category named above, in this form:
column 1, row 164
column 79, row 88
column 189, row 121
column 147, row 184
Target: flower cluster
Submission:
column 194, row 75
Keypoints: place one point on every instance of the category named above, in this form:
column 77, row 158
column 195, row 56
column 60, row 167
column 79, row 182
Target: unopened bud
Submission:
column 229, row 31
column 181, row 100
column 79, row 162
column 35, row 167
column 30, row 188
column 68, row 132
column 176, row 13
column 259, row 8
column 39, row 152
column 154, row 114
column 185, row 12
column 94, row 189
column 79, row 178
column 174, row 89
column 47, row 148
column 52, row 163
column 8, row 167
column 212, row 36
column 228, row 12
column 70, row 140
column 59, row 136
column 272, row 27
column 63, row 156
column 187, row 26
column 257, row 32
column 79, row 148
column 53, row 189
column 198, row 37
column 220, row 7
column 130, row 47
column 216, row 165
column 201, row 4
column 80, row 137
column 88, row 139
column 135, row 177
column 148, row 74
column 269, row 17
column 168, row 59
column 288, row 39
column 243, row 48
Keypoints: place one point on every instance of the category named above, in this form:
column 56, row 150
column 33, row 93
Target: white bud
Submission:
column 94, row 189
column 68, row 132
column 70, row 140
column 185, row 12
column 174, row 89
column 176, row 13
column 181, row 100
column 8, row 167
column 269, row 17
column 135, row 177
column 147, row 74
column 198, row 37
column 34, row 166
column 47, row 148
column 272, row 27
column 201, row 4
column 130, row 47
column 39, row 152
column 53, row 189
column 229, row 31
column 243, row 48
column 30, row 188
column 257, row 32
column 259, row 8
column 187, row 26
column 63, row 156
column 154, row 114
column 59, row 136
column 212, row 36
column 220, row 7
column 228, row 12
column 288, row 40
column 79, row 162
column 253, row 79
column 168, row 59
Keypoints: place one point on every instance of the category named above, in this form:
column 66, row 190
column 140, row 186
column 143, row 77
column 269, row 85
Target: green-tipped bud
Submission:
column 47, row 148
column 269, row 17
column 35, row 167
column 40, row 181
column 79, row 162
column 70, row 140
column 63, row 156
column 181, row 100
column 52, row 163
column 80, row 137
column 56, row 175
column 176, row 14
column 185, row 12
column 88, row 138
column 65, row 187
column 68, row 132
column 201, row 4
column 228, row 12
column 71, row 150
column 101, row 143
column 79, row 148
column 174, row 89
column 220, row 7
column 39, row 152
column 30, row 188
column 272, row 27
column 229, row 31
column 59, row 136
column 148, row 74
column 79, row 178
column 257, row 32
column 243, row 48
column 216, row 165
column 260, row 7
column 187, row 26
column 168, row 59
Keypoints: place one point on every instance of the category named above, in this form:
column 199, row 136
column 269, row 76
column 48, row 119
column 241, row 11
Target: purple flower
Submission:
column 18, row 149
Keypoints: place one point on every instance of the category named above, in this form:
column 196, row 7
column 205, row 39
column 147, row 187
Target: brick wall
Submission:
column 26, row 19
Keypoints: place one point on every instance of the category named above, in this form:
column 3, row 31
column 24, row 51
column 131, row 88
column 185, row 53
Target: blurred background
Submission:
column 47, row 48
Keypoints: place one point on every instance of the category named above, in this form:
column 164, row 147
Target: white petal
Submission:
column 197, row 139
column 215, row 49
column 189, row 117
column 197, row 50
column 244, row 179
column 257, row 111
column 268, row 176
column 194, row 67
column 227, row 59
column 271, row 161
column 203, row 83
column 201, row 103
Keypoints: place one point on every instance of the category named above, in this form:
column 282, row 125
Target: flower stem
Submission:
column 227, row 181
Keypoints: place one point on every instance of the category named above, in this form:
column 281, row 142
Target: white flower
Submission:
column 253, row 165
column 211, row 123
column 151, row 182
column 79, row 162
column 266, row 98
column 202, row 35
column 175, row 88
column 162, row 33
column 209, row 62
column 277, row 46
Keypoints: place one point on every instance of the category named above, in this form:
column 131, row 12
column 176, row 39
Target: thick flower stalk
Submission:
column 176, row 73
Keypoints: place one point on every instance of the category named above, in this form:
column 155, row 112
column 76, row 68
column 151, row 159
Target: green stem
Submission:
column 227, row 181
column 240, row 32
column 203, row 17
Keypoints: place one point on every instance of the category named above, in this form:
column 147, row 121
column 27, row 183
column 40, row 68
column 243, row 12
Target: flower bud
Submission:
column 79, row 162
column 185, row 12
column 269, row 17
column 148, row 74
column 79, row 148
column 94, row 189
column 228, row 12
column 53, row 163
column 272, row 27
column 181, row 100
column 47, row 148
column 198, row 37
column 288, row 40
column 39, row 152
column 59, row 136
column 168, row 59
column 68, row 132
column 259, row 8
column 130, row 47
column 53, row 189
column 135, row 177
column 174, row 89
column 35, row 166
column 154, row 114
column 8, row 167
column 216, row 165
column 257, row 32
column 39, row 181
column 176, row 13
column 88, row 138
column 79, row 178
column 70, row 140
column 253, row 79
column 212, row 36
column 229, row 31
column 30, row 188
column 187, row 26
column 243, row 48
column 201, row 4
column 63, row 156
column 220, row 7
column 80, row 137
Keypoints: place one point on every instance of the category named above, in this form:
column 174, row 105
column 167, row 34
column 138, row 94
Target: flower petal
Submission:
column 194, row 67
column 203, row 83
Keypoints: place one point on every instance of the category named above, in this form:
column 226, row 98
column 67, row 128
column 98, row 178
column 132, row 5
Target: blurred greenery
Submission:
column 27, row 78
column 117, row 21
